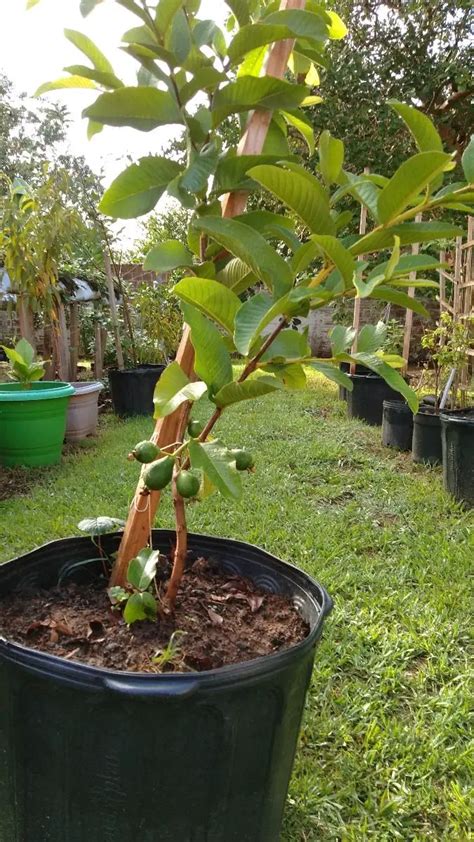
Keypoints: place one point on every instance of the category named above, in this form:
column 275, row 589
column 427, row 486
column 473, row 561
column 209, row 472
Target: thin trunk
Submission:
column 26, row 320
column 113, row 311
column 181, row 549
column 74, row 338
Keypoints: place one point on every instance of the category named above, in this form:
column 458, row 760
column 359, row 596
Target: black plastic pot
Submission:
column 457, row 437
column 367, row 397
column 346, row 367
column 132, row 389
column 397, row 425
column 97, row 755
column 426, row 445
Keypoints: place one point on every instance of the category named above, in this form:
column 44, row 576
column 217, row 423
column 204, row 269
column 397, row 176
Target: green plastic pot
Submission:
column 33, row 423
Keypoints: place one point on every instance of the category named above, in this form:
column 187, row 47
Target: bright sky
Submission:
column 34, row 50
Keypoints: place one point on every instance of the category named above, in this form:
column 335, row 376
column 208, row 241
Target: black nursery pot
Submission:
column 426, row 445
column 346, row 367
column 132, row 389
column 103, row 756
column 367, row 397
column 457, row 437
column 397, row 425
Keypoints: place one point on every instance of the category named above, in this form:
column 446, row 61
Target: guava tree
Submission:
column 245, row 278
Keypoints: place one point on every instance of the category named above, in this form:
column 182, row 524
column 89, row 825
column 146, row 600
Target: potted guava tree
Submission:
column 169, row 705
column 32, row 413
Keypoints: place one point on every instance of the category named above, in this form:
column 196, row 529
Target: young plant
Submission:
column 136, row 597
column 448, row 345
column 24, row 367
column 247, row 277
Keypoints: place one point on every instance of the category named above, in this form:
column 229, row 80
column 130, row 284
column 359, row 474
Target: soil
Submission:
column 222, row 620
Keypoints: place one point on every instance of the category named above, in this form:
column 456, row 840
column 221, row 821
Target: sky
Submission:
column 34, row 50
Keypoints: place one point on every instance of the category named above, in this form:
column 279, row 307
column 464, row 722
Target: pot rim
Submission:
column 13, row 393
column 458, row 416
column 173, row 685
column 86, row 387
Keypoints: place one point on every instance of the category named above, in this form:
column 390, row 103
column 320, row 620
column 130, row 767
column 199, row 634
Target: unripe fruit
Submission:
column 187, row 484
column 195, row 429
column 159, row 474
column 243, row 460
column 145, row 452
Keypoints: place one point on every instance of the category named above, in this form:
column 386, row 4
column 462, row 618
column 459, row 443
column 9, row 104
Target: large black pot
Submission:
column 103, row 756
column 132, row 389
column 457, row 437
column 367, row 397
column 397, row 425
column 426, row 445
column 346, row 367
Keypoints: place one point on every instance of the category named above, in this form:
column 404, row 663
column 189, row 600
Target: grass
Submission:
column 384, row 749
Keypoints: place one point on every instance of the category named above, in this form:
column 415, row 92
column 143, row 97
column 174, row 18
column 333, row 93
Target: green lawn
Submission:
column 384, row 749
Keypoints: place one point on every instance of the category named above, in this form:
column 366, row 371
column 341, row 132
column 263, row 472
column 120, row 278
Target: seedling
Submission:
column 137, row 599
column 24, row 366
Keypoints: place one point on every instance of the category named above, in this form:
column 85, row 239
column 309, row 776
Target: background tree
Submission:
column 418, row 51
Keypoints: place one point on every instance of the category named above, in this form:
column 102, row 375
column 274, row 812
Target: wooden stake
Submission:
column 357, row 300
column 74, row 338
column 415, row 249
column 137, row 528
column 98, row 355
column 113, row 311
column 60, row 339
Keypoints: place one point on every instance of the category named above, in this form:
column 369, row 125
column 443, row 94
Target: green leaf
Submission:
column 173, row 389
column 337, row 254
column 249, row 92
column 212, row 362
column 178, row 38
column 142, row 569
column 165, row 12
column 248, row 390
column 292, row 375
column 87, row 6
column 333, row 373
column 100, row 525
column 205, row 79
column 337, row 28
column 301, row 23
column 253, row 36
column 218, row 465
column 89, row 49
column 331, row 156
column 253, row 316
column 302, row 193
column 409, row 232
column 140, row 606
column 392, row 262
column 31, row 3
column 211, row 298
column 240, row 10
column 303, row 125
column 138, row 188
column 392, row 377
column 237, row 276
column 341, row 339
column 468, row 161
column 372, row 337
column 421, row 127
column 167, row 256
column 394, row 296
column 231, row 172
column 288, row 346
column 25, row 350
column 409, row 180
column 66, row 82
column 202, row 165
column 252, row 248
column 407, row 263
column 107, row 80
column 141, row 108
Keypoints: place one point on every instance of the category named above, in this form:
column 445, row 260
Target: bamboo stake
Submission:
column 61, row 341
column 113, row 311
column 415, row 249
column 137, row 528
column 357, row 300
column 73, row 340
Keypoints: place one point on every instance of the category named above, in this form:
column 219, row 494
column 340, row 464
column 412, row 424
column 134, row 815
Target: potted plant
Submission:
column 32, row 413
column 447, row 345
column 83, row 411
column 173, row 738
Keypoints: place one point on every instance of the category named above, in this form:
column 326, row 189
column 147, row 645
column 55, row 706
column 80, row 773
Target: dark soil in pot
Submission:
column 221, row 620
column 426, row 445
column 457, row 429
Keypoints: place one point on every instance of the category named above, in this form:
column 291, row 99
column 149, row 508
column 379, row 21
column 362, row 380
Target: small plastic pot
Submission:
column 457, row 437
column 426, row 444
column 83, row 410
column 345, row 367
column 132, row 389
column 397, row 425
column 94, row 754
column 367, row 397
column 33, row 423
